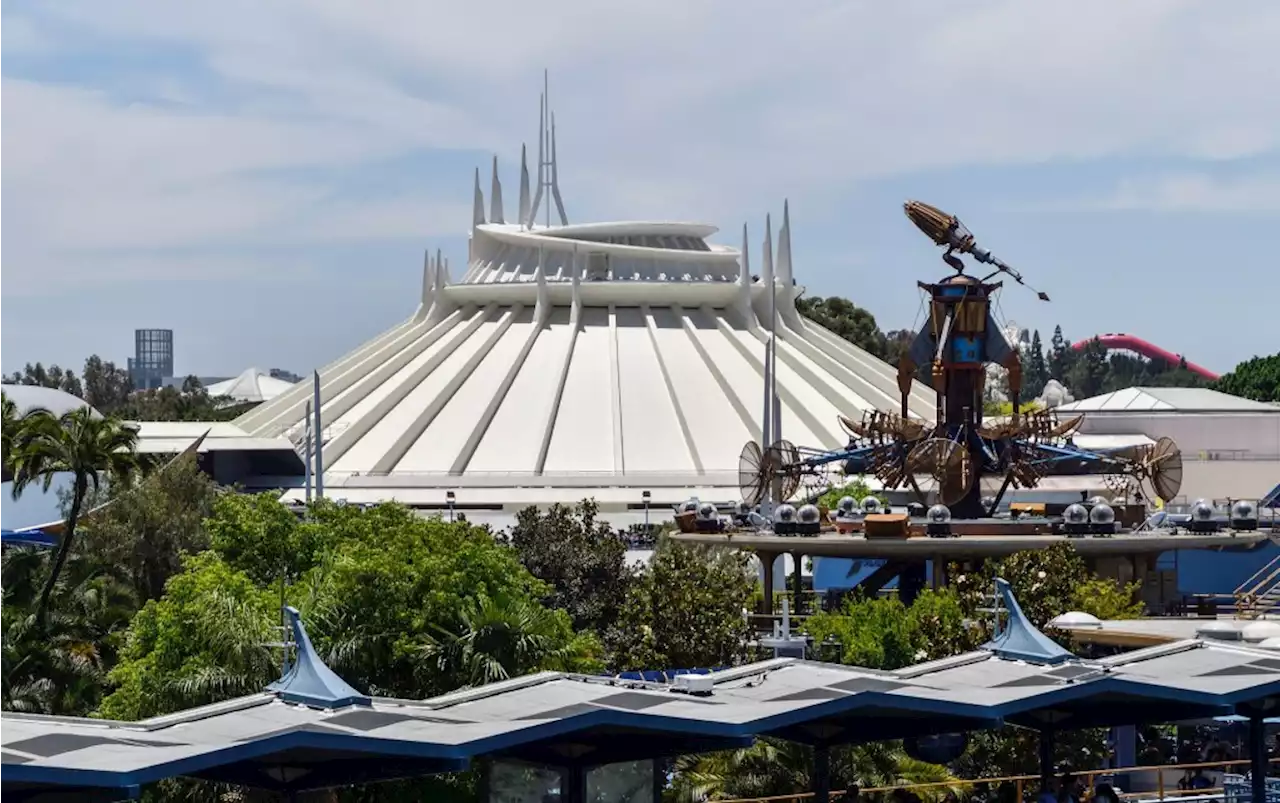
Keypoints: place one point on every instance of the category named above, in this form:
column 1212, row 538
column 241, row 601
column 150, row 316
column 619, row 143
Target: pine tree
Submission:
column 1059, row 356
column 1037, row 371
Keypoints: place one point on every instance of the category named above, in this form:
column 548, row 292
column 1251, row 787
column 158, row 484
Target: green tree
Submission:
column 776, row 767
column 386, row 595
column 498, row 639
column 857, row 488
column 51, row 377
column 1036, row 372
column 1061, row 357
column 883, row 633
column 147, row 528
column 580, row 557
column 1257, row 378
column 685, row 610
column 191, row 402
column 843, row 318
column 1088, row 376
column 205, row 640
column 76, row 443
column 106, row 387
column 1046, row 582
column 60, row 668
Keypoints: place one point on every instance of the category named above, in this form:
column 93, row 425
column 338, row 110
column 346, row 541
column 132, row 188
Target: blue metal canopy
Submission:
column 1018, row 639
column 37, row 538
column 308, row 681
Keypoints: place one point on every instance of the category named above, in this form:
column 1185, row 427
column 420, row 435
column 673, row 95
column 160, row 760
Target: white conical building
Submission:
column 579, row 360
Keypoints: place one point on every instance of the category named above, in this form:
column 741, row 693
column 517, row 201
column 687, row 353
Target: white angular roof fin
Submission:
column 555, row 175
column 495, row 196
column 524, row 185
column 477, row 205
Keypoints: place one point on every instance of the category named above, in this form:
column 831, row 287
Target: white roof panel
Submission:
column 1137, row 399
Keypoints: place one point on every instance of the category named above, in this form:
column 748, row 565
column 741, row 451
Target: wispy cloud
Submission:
column 1192, row 192
column 140, row 129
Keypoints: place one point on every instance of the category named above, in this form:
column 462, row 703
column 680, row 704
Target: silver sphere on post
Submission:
column 871, row 505
column 707, row 511
column 809, row 514
column 689, row 505
column 1103, row 514
column 1202, row 511
column 846, row 506
column 939, row 514
column 1076, row 514
column 784, row 513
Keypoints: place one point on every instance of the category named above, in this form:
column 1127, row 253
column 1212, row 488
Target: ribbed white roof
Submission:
column 545, row 391
column 1201, row 400
column 252, row 385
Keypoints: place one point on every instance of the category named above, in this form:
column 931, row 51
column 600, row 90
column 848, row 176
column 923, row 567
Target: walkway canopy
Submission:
column 311, row 730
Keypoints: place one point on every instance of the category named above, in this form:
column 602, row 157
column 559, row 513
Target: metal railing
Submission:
column 1229, row 792
column 1260, row 594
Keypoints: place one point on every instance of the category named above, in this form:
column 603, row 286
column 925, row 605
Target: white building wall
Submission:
column 1254, row 436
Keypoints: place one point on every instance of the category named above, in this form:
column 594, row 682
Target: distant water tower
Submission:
column 152, row 360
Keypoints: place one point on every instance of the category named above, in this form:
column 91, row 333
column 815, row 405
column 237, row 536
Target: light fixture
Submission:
column 450, row 498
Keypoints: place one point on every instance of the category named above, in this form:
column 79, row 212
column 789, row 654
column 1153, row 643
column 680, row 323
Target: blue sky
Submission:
column 263, row 177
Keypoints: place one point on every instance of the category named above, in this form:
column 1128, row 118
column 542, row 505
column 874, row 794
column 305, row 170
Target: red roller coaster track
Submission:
column 1139, row 346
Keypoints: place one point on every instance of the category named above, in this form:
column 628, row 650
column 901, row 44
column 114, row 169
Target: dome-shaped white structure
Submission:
column 252, row 385
column 1270, row 644
column 581, row 360
column 1075, row 620
column 31, row 397
column 1256, row 632
column 1221, row 631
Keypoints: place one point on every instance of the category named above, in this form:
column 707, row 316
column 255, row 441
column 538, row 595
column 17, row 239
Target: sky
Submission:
column 263, row 178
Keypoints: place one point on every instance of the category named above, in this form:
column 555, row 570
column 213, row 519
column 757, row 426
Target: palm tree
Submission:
column 77, row 443
column 61, row 669
column 777, row 767
column 498, row 639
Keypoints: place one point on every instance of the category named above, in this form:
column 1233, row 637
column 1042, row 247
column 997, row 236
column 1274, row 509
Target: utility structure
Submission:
column 958, row 460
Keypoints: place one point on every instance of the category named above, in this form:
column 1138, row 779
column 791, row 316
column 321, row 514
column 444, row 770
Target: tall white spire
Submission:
column 428, row 280
column 766, row 276
column 784, row 251
column 548, row 172
column 542, row 156
column 524, row 186
column 555, row 175
column 744, row 263
column 495, row 196
column 477, row 205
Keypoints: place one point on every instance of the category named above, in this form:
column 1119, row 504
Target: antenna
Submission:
column 548, row 173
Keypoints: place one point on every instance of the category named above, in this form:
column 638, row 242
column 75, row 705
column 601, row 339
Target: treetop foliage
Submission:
column 109, row 390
